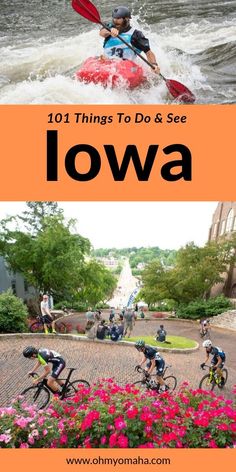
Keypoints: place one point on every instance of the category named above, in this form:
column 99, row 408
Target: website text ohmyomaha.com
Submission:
column 118, row 461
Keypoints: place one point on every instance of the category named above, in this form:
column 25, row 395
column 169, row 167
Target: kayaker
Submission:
column 113, row 47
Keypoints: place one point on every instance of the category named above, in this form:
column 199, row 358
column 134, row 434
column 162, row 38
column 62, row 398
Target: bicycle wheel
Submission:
column 141, row 385
column 35, row 395
column 206, row 384
column 75, row 386
column 171, row 382
column 60, row 327
column 36, row 327
column 225, row 377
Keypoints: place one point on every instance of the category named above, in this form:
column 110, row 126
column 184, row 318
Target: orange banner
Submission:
column 171, row 460
column 138, row 152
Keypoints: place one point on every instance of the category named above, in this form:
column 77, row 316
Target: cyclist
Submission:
column 218, row 359
column 44, row 357
column 204, row 326
column 46, row 315
column 153, row 359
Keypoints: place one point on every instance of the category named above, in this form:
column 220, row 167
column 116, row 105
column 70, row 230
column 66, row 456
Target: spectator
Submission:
column 102, row 330
column 47, row 317
column 161, row 334
column 91, row 330
column 90, row 315
column 121, row 327
column 142, row 314
column 129, row 322
column 98, row 315
column 112, row 315
column 114, row 332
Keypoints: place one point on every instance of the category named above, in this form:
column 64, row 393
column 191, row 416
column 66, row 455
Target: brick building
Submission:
column 223, row 225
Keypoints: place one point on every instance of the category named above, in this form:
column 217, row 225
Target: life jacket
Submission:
column 114, row 48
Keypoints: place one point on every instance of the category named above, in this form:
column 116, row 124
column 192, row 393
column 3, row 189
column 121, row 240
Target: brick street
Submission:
column 96, row 360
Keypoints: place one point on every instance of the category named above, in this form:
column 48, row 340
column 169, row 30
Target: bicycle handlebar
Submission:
column 210, row 367
column 33, row 374
column 139, row 369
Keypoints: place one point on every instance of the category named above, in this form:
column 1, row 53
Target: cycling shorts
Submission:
column 215, row 360
column 57, row 366
column 160, row 365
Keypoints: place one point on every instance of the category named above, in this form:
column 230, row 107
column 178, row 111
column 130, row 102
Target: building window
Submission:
column 229, row 221
column 222, row 227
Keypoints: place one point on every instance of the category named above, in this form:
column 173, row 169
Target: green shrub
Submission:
column 13, row 314
column 204, row 308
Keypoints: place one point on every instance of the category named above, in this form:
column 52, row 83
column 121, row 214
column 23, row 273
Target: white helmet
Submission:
column 207, row 343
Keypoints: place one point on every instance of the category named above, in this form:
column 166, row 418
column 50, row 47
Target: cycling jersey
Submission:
column 151, row 354
column 45, row 356
column 217, row 352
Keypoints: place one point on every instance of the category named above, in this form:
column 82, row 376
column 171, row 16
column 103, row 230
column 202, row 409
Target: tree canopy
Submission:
column 195, row 271
column 49, row 253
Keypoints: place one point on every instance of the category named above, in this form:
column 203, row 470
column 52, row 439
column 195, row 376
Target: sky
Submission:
column 168, row 225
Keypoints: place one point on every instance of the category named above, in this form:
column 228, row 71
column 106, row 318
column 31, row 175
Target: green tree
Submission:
column 195, row 271
column 51, row 259
column 98, row 283
column 13, row 314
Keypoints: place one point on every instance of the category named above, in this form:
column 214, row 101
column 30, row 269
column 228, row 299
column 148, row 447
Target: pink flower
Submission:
column 112, row 440
column 120, row 423
column 122, row 440
column 5, row 438
column 112, row 409
column 212, row 443
column 147, row 445
column 223, row 427
column 24, row 446
column 22, row 422
column 132, row 412
column 201, row 422
column 63, row 439
column 87, row 442
column 103, row 440
column 167, row 437
column 89, row 419
column 41, row 420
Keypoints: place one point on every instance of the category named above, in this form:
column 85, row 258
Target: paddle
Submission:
column 86, row 9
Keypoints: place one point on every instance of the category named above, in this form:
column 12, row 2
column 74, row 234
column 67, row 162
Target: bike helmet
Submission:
column 121, row 12
column 29, row 351
column 140, row 344
column 207, row 343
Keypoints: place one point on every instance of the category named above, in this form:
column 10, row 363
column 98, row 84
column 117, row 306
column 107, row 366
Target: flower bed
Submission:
column 109, row 416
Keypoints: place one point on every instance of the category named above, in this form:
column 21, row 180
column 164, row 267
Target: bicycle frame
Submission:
column 43, row 383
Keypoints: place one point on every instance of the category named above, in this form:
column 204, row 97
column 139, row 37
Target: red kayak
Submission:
column 111, row 72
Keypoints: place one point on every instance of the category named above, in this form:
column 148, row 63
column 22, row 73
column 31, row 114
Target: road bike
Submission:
column 210, row 380
column 60, row 327
column 205, row 333
column 148, row 382
column 40, row 394
column 38, row 326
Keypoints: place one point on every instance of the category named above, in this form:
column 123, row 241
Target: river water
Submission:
column 43, row 42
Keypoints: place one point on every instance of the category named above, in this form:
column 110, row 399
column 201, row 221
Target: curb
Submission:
column 74, row 337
